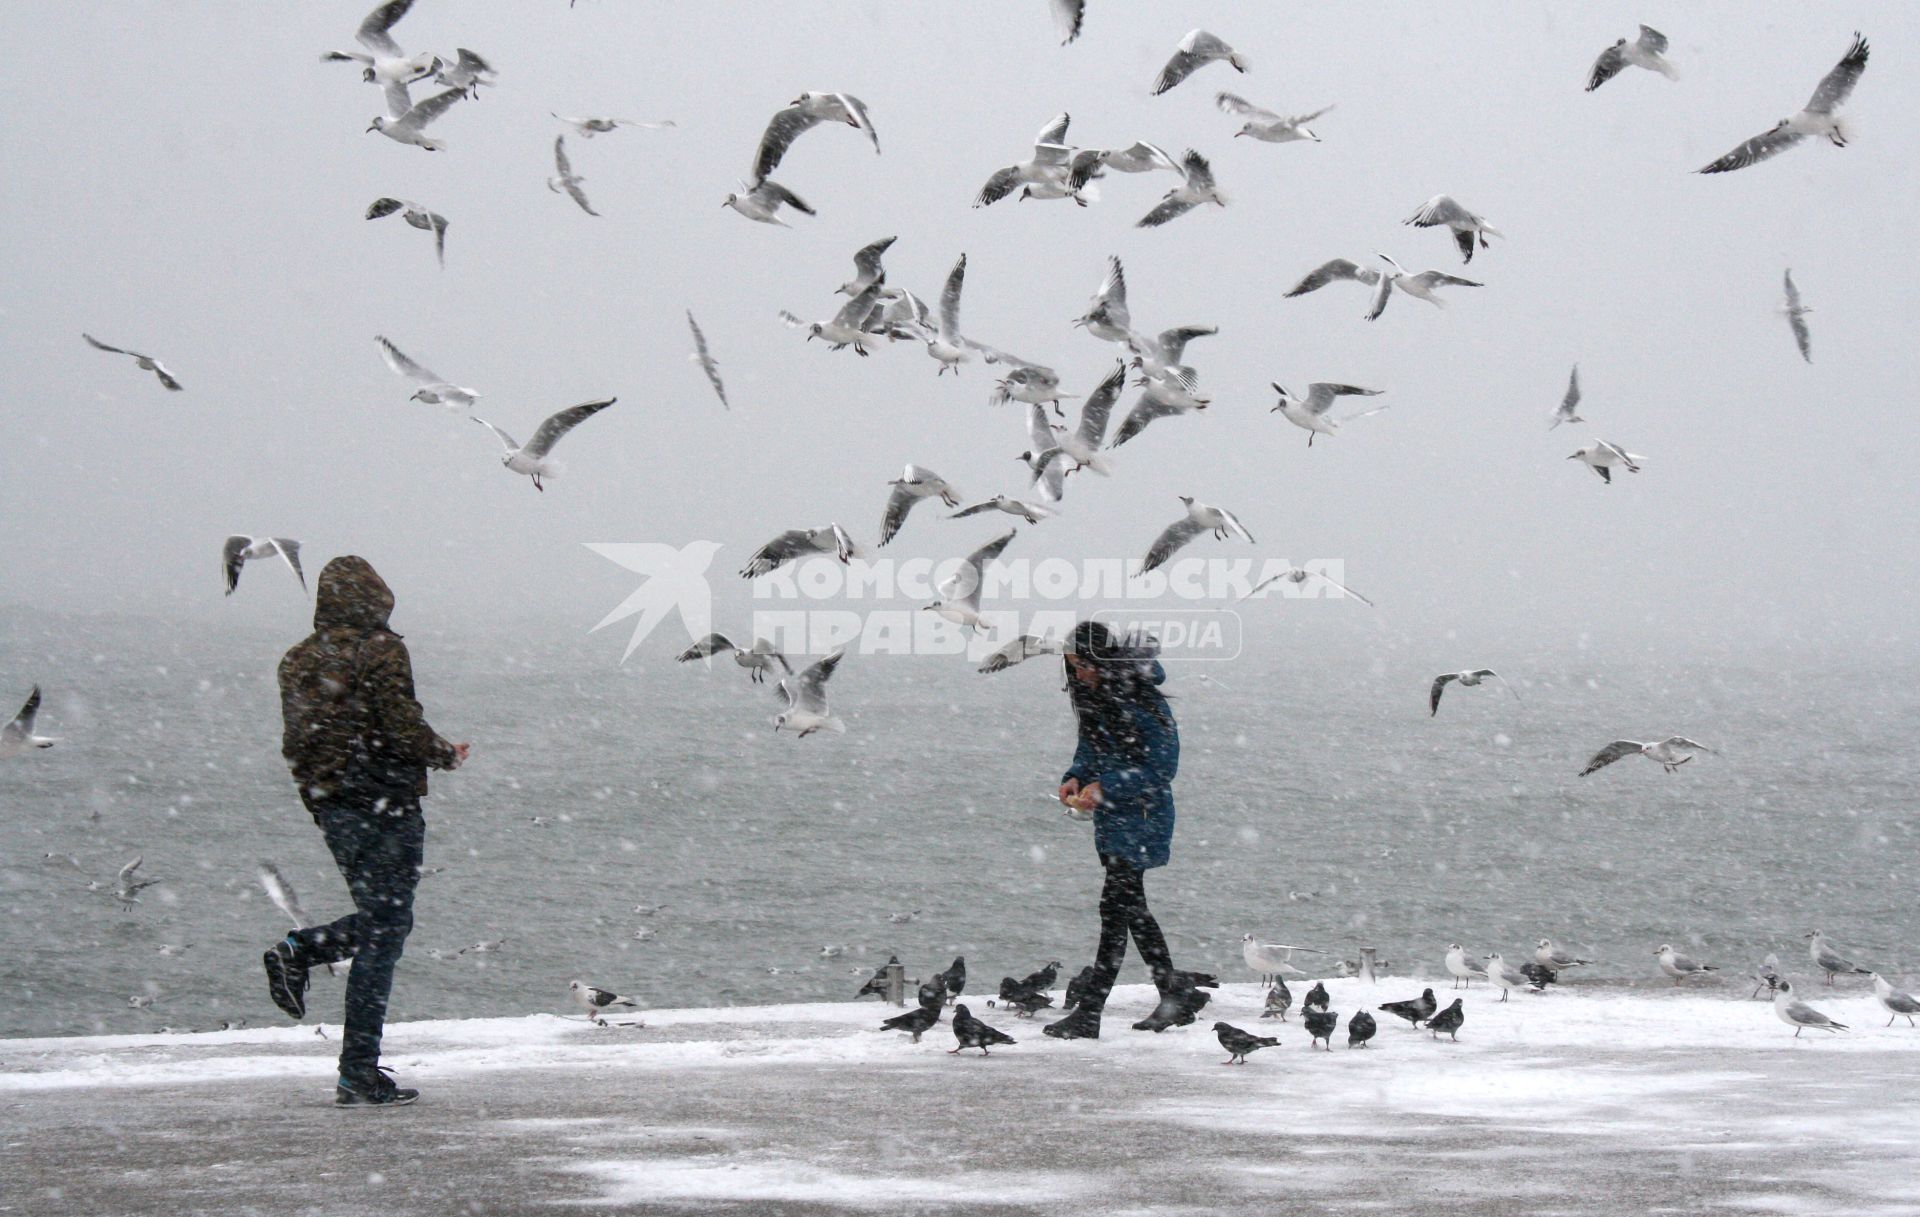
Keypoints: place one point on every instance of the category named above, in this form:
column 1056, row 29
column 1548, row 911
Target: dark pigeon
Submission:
column 918, row 1021
column 1316, row 996
column 1320, row 1024
column 1279, row 1001
column 972, row 1033
column 1238, row 1043
column 954, row 978
column 1540, row 974
column 1078, row 986
column 1448, row 1020
column 1041, row 981
column 1024, row 1004
column 1360, row 1029
column 877, row 983
column 1415, row 1010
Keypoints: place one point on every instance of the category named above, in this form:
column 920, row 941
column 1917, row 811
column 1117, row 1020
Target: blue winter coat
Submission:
column 1134, row 821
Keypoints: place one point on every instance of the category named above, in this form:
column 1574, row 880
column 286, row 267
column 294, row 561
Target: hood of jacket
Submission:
column 352, row 595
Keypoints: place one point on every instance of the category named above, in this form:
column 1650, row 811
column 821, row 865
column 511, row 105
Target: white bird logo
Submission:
column 676, row 579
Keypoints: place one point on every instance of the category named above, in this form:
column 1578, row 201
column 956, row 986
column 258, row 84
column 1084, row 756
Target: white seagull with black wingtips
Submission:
column 534, row 457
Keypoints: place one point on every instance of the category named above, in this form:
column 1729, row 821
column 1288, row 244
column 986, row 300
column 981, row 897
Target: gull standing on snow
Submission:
column 1198, row 188
column 1672, row 752
column 1195, row 51
column 419, row 217
column 803, row 114
column 565, row 179
column 908, row 489
column 1602, row 458
column 1467, row 681
column 806, row 710
column 799, row 543
column 1569, row 403
column 1818, row 118
column 847, row 327
column 1271, row 960
column 758, row 659
column 1679, row 966
column 960, row 592
column 239, row 549
column 1299, row 575
column 1021, row 649
column 406, row 124
column 704, row 358
column 763, row 199
column 1830, row 961
column 1897, row 1004
column 1445, row 210
column 17, row 736
column 595, row 1001
column 591, row 125
column 1200, row 518
column 145, row 363
column 467, row 71
column 1462, row 968
column 1647, row 51
column 1265, row 125
column 1552, row 957
column 1032, row 513
column 1796, row 314
column 1508, row 978
column 388, row 64
column 1046, row 175
column 531, row 459
column 1312, row 411
column 434, row 390
column 1798, row 1014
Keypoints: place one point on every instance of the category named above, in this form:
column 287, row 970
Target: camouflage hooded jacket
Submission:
column 352, row 680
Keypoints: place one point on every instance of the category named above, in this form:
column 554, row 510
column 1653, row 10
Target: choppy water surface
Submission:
column 1319, row 804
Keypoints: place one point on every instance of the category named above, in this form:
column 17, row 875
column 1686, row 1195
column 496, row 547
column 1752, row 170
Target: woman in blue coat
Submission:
column 1122, row 773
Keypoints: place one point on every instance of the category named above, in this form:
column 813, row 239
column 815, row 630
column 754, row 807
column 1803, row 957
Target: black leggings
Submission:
column 1124, row 912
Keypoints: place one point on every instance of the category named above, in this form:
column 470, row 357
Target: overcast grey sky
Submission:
column 189, row 180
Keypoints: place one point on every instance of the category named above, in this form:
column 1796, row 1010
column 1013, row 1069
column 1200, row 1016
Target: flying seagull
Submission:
column 1032, row 513
column 387, row 64
column 17, row 736
column 704, row 358
column 588, row 126
column 566, row 179
column 407, row 125
column 762, row 200
column 1031, row 383
column 846, row 328
column 1195, row 51
column 435, row 390
column 127, row 889
column 467, row 71
column 1671, row 752
column 1798, row 1014
column 145, row 363
column 239, row 549
column 867, row 270
column 758, row 659
column 1300, row 575
column 1107, row 317
column 1569, row 403
column 798, row 543
column 908, row 489
column 1068, row 15
column 1196, row 188
column 1796, row 314
column 1046, row 175
column 1313, row 412
column 1200, row 517
column 1680, row 966
column 804, row 113
column 1647, row 51
column 1265, row 125
column 1818, row 118
column 532, row 458
column 1467, row 681
column 1602, row 457
column 1443, row 210
column 945, row 343
column 419, row 217
column 1021, row 649
column 960, row 592
column 1420, row 286
column 806, row 696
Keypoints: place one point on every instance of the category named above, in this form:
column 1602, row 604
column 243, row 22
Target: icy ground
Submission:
column 1581, row 1101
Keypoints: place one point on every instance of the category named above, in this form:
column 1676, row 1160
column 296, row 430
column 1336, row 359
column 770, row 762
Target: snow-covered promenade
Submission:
column 1587, row 1100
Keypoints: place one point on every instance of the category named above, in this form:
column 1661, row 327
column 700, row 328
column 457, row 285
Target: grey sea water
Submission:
column 1319, row 804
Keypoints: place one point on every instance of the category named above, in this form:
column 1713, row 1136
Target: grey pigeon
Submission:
column 1360, row 1029
column 1415, row 1010
column 1279, row 1000
column 972, row 1033
column 1238, row 1043
column 1320, row 1024
column 1448, row 1020
column 918, row 1021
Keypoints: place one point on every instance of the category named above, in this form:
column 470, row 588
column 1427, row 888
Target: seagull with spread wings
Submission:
column 145, row 363
column 533, row 458
column 419, row 217
column 1200, row 518
column 1195, row 51
column 1648, row 51
column 239, row 549
column 1671, row 753
column 565, row 179
column 1818, row 118
column 702, row 356
column 806, row 697
column 1265, row 125
column 434, row 390
column 803, row 114
column 1796, row 314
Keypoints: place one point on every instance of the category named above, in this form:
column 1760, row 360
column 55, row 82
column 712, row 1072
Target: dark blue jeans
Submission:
column 379, row 848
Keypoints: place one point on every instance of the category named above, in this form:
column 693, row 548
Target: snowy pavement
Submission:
column 1582, row 1101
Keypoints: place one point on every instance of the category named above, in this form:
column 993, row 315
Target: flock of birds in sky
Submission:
column 877, row 313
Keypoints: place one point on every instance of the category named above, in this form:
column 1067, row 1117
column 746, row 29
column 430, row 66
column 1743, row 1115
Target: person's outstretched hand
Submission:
column 460, row 752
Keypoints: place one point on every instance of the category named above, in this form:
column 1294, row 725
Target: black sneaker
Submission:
column 375, row 1089
column 1179, row 1002
column 286, row 979
column 1082, row 1024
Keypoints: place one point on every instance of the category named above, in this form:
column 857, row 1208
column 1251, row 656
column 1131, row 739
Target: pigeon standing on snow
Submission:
column 970, row 1032
column 1320, row 1024
column 1448, row 1020
column 1316, row 998
column 954, row 979
column 1238, row 1043
column 917, row 1021
column 596, row 1001
column 877, row 983
column 1360, row 1029
column 1279, row 1000
column 1415, row 1010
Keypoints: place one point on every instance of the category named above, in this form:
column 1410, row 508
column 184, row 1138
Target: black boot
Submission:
column 1082, row 1024
column 1180, row 1000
